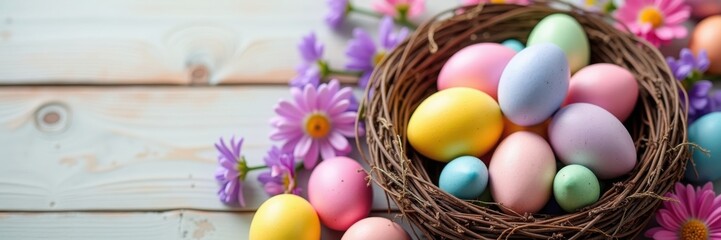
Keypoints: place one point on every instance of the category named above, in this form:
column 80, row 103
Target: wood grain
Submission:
column 165, row 42
column 128, row 148
column 169, row 225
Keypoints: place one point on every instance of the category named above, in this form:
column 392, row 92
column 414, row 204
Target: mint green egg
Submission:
column 566, row 33
column 575, row 187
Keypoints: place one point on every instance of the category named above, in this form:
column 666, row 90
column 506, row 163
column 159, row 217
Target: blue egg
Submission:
column 534, row 84
column 465, row 177
column 706, row 132
column 514, row 44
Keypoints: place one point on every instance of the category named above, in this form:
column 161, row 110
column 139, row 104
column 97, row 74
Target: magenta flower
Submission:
column 657, row 21
column 312, row 69
column 281, row 177
column 476, row 2
column 362, row 52
column 694, row 214
column 338, row 11
column 315, row 122
column 401, row 9
column 231, row 171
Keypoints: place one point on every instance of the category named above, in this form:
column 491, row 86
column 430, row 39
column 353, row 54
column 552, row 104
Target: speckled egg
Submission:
column 534, row 84
column 455, row 122
column 521, row 173
column 606, row 85
column 588, row 135
column 565, row 32
column 575, row 187
column 477, row 66
column 339, row 192
column 375, row 228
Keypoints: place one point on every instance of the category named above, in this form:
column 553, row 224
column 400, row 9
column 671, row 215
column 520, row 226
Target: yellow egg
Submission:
column 455, row 122
column 285, row 216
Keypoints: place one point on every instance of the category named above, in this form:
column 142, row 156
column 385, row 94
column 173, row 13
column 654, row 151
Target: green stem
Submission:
column 298, row 166
column 257, row 168
column 344, row 72
column 401, row 20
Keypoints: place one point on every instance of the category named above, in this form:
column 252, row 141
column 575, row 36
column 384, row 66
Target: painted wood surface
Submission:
column 129, row 148
column 169, row 225
column 165, row 42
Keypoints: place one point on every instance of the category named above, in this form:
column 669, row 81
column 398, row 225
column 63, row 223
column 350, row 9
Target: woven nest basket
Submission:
column 408, row 75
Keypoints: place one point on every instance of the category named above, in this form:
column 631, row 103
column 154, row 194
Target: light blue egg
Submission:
column 534, row 84
column 514, row 44
column 465, row 177
column 706, row 132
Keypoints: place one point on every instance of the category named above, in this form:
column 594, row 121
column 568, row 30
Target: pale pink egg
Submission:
column 522, row 172
column 339, row 192
column 375, row 228
column 477, row 66
column 606, row 85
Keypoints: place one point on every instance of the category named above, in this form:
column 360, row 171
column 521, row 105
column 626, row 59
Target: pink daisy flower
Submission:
column 695, row 214
column 476, row 2
column 401, row 9
column 657, row 21
column 315, row 122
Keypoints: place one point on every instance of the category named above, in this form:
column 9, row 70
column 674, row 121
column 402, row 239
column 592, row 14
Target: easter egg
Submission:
column 285, row 216
column 606, row 85
column 707, row 35
column 521, row 173
column 375, row 228
column 339, row 192
column 465, row 177
column 575, row 187
column 565, row 32
column 533, row 84
column 588, row 135
column 704, row 8
column 514, row 44
column 477, row 66
column 706, row 132
column 455, row 122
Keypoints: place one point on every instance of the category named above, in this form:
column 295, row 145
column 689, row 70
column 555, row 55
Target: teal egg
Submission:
column 706, row 132
column 575, row 187
column 566, row 33
column 514, row 44
column 465, row 177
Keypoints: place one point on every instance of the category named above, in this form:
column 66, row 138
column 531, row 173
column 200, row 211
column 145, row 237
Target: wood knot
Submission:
column 52, row 117
column 199, row 74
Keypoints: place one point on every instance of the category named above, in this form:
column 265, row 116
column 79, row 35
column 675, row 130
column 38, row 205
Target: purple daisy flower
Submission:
column 338, row 11
column 687, row 64
column 702, row 100
column 231, row 171
column 310, row 71
column 315, row 122
column 362, row 52
column 281, row 177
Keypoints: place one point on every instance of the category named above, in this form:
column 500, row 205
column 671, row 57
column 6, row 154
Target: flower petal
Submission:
column 311, row 158
column 303, row 146
column 338, row 141
column 326, row 150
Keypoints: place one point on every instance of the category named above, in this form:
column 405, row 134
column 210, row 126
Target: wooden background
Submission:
column 109, row 109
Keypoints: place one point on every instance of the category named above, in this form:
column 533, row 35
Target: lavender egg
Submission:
column 534, row 84
column 588, row 135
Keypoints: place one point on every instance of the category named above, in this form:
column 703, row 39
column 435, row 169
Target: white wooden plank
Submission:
column 128, row 148
column 171, row 225
column 164, row 42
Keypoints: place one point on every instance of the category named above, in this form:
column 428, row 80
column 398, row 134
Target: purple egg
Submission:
column 586, row 134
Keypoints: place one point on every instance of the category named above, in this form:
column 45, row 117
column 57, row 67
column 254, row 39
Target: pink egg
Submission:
column 477, row 66
column 375, row 228
column 606, row 85
column 339, row 192
column 522, row 172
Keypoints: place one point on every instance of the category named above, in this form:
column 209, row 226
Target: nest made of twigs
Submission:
column 408, row 75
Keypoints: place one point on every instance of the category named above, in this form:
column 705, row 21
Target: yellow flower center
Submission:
column 288, row 183
column 378, row 57
column 317, row 125
column 498, row 1
column 694, row 229
column 651, row 15
column 590, row 3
